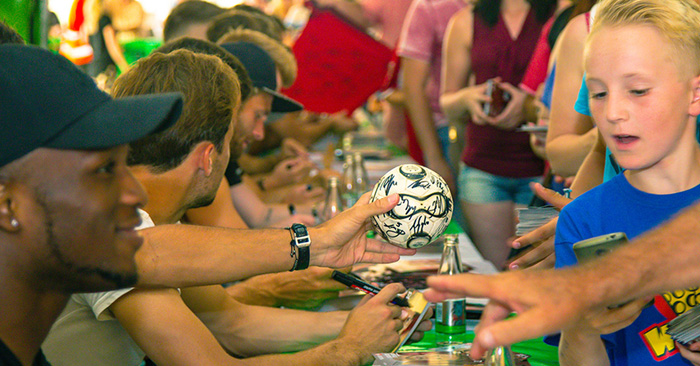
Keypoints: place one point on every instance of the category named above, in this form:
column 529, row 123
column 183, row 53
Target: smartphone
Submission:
column 531, row 128
column 586, row 250
column 499, row 99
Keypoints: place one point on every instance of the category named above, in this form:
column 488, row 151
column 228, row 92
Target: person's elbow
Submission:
column 560, row 159
column 450, row 109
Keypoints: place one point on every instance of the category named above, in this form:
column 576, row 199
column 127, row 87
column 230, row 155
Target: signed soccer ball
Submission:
column 424, row 209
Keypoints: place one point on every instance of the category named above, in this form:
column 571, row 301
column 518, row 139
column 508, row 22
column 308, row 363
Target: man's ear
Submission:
column 205, row 157
column 694, row 108
column 8, row 221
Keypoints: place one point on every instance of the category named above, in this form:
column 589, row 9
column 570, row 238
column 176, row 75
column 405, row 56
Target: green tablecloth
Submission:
column 541, row 354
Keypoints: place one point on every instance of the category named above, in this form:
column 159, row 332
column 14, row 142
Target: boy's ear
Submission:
column 694, row 108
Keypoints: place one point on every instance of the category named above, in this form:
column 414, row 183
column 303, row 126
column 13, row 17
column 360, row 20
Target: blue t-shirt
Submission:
column 549, row 87
column 618, row 206
column 581, row 106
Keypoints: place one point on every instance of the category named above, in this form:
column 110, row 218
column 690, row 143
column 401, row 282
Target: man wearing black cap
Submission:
column 68, row 204
column 251, row 120
column 67, row 207
column 158, row 320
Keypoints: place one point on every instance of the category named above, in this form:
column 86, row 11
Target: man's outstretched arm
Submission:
column 548, row 301
column 188, row 255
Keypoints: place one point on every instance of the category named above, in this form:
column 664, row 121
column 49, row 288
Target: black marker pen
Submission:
column 356, row 283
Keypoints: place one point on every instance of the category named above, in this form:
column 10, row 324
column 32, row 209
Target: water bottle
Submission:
column 450, row 316
column 334, row 204
column 348, row 191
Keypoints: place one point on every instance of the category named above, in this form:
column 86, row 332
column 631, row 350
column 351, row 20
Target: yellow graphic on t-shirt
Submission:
column 659, row 343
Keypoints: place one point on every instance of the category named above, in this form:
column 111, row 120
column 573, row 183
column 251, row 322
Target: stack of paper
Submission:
column 531, row 218
column 685, row 329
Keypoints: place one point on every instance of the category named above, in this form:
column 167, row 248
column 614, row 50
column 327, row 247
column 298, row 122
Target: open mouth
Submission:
column 625, row 139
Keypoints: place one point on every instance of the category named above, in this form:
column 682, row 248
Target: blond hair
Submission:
column 676, row 20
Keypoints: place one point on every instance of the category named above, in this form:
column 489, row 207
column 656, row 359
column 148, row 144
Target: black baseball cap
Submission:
column 262, row 71
column 46, row 101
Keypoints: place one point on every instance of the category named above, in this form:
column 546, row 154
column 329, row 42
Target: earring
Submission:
column 14, row 223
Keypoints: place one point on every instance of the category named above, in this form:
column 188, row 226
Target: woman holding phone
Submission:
column 489, row 46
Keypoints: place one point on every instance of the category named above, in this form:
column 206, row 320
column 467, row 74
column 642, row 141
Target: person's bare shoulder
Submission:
column 575, row 31
column 461, row 25
column 464, row 16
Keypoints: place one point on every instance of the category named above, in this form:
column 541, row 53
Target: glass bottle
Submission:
column 348, row 191
column 361, row 175
column 499, row 356
column 450, row 316
column 334, row 203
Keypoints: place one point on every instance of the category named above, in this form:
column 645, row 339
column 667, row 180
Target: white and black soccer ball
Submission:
column 424, row 209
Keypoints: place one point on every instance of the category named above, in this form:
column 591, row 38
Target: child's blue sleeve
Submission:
column 581, row 104
column 548, row 87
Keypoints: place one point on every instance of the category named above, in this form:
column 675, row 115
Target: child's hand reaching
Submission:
column 607, row 320
column 581, row 344
column 690, row 352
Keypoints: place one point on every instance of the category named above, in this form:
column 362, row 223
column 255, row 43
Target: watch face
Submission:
column 301, row 235
column 299, row 230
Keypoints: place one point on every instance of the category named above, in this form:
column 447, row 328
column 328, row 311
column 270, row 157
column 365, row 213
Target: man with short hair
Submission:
column 190, row 18
column 68, row 203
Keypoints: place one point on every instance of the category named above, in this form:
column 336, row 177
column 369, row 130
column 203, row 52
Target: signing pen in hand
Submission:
column 363, row 286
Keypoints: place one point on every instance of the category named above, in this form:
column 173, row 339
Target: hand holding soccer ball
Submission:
column 424, row 209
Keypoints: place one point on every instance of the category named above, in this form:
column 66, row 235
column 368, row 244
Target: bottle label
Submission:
column 450, row 317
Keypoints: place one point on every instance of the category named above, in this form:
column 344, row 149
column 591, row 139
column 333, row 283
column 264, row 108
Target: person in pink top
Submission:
column 420, row 49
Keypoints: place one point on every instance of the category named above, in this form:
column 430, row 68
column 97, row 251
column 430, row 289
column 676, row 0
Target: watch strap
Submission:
column 301, row 243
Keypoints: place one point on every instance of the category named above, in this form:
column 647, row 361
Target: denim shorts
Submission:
column 477, row 186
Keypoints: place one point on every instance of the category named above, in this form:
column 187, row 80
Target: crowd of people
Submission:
column 169, row 216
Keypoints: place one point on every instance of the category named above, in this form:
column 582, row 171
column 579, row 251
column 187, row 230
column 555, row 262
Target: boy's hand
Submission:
column 609, row 320
column 690, row 353
column 541, row 239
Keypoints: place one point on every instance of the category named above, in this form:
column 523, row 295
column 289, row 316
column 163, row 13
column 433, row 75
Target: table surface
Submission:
column 540, row 353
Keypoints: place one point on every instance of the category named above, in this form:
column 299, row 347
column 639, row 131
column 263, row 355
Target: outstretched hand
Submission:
column 541, row 239
column 546, row 301
column 342, row 241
